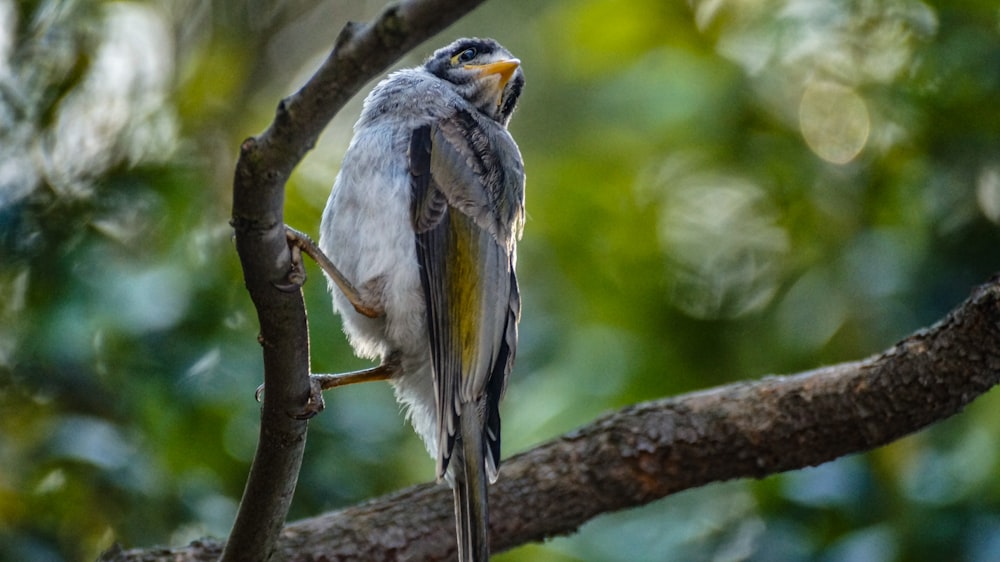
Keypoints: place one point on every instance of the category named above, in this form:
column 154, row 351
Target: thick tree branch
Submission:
column 647, row 451
column 266, row 161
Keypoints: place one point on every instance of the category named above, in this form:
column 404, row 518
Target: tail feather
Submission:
column 471, row 500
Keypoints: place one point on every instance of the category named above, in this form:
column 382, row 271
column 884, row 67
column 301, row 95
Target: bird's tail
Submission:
column 471, row 501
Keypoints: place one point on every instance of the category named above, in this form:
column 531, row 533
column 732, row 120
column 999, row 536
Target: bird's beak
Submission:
column 505, row 69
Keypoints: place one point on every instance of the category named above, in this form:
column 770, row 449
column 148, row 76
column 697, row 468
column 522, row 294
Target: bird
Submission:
column 421, row 229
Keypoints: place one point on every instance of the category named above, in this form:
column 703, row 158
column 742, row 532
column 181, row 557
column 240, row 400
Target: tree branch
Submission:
column 647, row 451
column 266, row 161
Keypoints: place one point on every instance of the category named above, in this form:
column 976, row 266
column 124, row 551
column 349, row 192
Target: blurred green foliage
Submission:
column 717, row 190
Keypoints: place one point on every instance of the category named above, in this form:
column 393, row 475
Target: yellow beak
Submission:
column 504, row 68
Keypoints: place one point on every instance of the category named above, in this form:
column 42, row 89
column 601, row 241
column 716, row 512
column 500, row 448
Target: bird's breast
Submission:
column 368, row 234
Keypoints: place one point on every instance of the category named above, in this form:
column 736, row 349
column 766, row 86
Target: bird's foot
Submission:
column 296, row 276
column 314, row 403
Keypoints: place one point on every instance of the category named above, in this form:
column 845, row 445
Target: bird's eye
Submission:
column 466, row 55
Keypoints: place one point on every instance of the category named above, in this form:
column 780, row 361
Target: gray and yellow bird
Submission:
column 423, row 222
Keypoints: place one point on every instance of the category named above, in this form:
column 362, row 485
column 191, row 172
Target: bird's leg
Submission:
column 328, row 381
column 320, row 382
column 300, row 242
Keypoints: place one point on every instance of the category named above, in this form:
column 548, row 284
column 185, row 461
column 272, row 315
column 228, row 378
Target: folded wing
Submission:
column 468, row 209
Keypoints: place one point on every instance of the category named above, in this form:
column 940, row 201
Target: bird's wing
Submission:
column 468, row 206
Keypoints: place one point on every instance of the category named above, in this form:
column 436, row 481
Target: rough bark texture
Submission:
column 266, row 161
column 647, row 451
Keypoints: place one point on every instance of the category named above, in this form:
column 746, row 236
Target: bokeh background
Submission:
column 717, row 190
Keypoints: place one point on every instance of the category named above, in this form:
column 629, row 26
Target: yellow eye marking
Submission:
column 464, row 56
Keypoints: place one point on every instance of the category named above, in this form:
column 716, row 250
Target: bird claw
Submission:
column 314, row 403
column 296, row 276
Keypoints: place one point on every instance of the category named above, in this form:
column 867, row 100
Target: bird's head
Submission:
column 482, row 72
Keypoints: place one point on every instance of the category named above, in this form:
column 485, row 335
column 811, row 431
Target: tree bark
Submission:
column 647, row 451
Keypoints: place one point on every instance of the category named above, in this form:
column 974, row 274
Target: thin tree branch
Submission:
column 647, row 451
column 362, row 51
